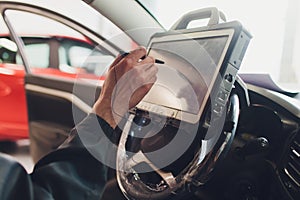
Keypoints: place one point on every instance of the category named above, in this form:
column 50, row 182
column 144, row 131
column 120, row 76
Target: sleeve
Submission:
column 78, row 168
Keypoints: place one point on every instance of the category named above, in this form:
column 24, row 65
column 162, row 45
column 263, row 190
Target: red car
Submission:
column 56, row 56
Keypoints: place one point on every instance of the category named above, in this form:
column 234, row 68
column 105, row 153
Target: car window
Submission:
column 79, row 55
column 38, row 54
column 56, row 47
column 76, row 53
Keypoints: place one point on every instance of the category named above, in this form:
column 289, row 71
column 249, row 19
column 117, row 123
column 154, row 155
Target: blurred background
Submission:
column 274, row 25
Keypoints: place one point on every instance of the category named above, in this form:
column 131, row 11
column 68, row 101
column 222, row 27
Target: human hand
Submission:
column 128, row 80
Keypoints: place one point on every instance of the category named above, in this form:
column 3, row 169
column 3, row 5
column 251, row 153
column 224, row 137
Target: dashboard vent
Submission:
column 292, row 167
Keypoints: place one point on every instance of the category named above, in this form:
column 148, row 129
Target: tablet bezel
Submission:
column 148, row 103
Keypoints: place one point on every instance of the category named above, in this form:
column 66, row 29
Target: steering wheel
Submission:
column 139, row 175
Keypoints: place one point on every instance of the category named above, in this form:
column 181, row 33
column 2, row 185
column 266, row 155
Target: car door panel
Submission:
column 54, row 99
column 53, row 107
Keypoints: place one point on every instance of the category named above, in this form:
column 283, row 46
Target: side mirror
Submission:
column 8, row 44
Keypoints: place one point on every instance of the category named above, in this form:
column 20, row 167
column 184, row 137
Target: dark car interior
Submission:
column 262, row 162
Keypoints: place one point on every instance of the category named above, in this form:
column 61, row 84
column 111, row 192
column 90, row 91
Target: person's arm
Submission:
column 129, row 79
column 77, row 170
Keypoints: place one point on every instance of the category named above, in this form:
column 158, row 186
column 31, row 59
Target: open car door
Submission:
column 64, row 68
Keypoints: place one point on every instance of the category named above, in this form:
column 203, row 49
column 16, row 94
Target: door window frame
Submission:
column 96, row 38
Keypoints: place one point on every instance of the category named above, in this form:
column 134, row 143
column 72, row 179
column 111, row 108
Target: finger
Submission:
column 150, row 82
column 137, row 54
column 144, row 80
column 131, row 59
column 152, row 71
column 148, row 70
column 148, row 60
column 141, row 92
column 117, row 60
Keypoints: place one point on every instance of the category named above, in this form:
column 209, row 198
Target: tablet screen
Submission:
column 190, row 67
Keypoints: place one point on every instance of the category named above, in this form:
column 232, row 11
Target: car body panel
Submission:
column 13, row 116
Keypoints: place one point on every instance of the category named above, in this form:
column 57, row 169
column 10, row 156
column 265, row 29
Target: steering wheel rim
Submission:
column 197, row 172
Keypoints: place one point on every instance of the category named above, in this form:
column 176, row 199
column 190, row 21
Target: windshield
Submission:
column 275, row 47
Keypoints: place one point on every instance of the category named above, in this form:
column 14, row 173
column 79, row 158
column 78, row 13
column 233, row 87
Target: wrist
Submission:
column 104, row 110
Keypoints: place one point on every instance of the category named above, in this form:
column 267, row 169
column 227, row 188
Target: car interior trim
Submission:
column 292, row 105
column 19, row 44
column 144, row 22
column 65, row 95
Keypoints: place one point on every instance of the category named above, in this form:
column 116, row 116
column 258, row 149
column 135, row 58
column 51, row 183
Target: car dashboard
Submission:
column 264, row 158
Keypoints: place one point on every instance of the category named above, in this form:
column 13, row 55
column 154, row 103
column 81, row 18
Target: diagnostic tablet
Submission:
column 197, row 68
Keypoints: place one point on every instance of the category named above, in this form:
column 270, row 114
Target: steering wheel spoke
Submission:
column 136, row 159
column 168, row 178
column 140, row 157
